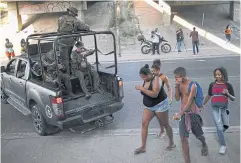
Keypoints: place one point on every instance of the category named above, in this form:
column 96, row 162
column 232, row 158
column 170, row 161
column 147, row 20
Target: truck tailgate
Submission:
column 79, row 104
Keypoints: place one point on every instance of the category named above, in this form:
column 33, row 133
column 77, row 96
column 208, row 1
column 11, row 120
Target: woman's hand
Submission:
column 202, row 108
column 225, row 91
column 139, row 87
column 177, row 117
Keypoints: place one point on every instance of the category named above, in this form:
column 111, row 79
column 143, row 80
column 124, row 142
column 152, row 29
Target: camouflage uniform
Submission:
column 68, row 24
column 80, row 67
column 49, row 62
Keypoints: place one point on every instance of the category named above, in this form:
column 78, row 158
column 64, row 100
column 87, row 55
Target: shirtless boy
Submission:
column 188, row 116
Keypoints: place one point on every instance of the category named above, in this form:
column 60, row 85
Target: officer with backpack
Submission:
column 68, row 24
column 219, row 92
column 191, row 97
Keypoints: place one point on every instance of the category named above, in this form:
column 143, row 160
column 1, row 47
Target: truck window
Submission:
column 22, row 69
column 11, row 67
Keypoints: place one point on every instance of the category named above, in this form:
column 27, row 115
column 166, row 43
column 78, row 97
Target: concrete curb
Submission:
column 106, row 133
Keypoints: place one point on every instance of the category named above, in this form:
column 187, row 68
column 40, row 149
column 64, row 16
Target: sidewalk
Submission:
column 135, row 55
column 106, row 148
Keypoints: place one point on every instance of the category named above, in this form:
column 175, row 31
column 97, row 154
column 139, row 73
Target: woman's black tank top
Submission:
column 149, row 101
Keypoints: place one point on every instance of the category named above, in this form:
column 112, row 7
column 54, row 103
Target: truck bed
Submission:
column 79, row 104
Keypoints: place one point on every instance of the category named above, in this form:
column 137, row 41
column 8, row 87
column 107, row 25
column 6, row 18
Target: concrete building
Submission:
column 19, row 10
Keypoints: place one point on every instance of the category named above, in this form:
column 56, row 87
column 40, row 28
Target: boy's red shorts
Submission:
column 12, row 54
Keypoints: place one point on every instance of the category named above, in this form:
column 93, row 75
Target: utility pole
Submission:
column 117, row 13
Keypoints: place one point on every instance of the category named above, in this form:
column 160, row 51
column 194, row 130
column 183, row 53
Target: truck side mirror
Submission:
column 3, row 69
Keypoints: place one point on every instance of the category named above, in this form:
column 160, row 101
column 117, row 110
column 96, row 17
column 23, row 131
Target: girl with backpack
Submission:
column 220, row 91
column 156, row 103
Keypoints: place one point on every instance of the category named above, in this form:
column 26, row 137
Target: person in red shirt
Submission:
column 228, row 32
column 219, row 92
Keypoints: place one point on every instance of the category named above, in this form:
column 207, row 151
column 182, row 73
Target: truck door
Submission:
column 19, row 81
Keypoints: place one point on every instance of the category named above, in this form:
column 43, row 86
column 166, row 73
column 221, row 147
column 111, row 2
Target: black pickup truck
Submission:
column 49, row 106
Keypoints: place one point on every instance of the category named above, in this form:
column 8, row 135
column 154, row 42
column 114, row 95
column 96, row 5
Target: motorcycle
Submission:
column 147, row 45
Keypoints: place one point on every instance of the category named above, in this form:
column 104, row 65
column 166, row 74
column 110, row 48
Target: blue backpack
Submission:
column 199, row 95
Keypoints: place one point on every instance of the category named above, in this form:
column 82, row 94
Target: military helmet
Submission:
column 79, row 44
column 73, row 10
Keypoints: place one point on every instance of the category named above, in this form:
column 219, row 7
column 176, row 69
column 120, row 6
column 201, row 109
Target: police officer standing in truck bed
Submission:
column 68, row 24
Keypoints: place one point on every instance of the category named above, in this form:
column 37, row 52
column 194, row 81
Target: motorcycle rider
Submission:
column 80, row 67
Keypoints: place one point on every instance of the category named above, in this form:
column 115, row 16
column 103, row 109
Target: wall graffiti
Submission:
column 26, row 8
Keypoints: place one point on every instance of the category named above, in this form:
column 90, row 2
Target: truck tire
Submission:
column 38, row 120
column 4, row 97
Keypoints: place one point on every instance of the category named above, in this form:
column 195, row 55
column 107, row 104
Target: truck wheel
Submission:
column 38, row 121
column 3, row 97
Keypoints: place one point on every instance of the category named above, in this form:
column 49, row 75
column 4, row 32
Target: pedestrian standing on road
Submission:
column 155, row 39
column 189, row 118
column 69, row 24
column 9, row 49
column 162, row 114
column 180, row 38
column 220, row 91
column 23, row 45
column 153, row 96
column 228, row 32
column 195, row 40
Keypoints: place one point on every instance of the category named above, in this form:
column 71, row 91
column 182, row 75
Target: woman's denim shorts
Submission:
column 161, row 107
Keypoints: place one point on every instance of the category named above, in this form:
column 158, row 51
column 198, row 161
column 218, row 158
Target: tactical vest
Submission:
column 66, row 25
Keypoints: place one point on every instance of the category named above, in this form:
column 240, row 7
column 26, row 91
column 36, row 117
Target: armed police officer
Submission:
column 50, row 66
column 80, row 67
column 68, row 24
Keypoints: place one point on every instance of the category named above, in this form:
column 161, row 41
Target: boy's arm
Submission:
column 207, row 98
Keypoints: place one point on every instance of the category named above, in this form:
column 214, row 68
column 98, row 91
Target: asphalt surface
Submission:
column 131, row 115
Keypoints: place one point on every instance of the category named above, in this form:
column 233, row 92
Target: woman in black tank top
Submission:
column 153, row 100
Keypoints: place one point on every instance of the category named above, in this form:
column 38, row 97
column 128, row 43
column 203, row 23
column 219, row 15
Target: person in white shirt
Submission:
column 155, row 38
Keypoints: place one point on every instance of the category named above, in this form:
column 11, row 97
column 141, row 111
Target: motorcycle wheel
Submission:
column 145, row 49
column 166, row 48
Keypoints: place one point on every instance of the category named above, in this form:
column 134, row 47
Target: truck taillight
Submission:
column 57, row 106
column 121, row 91
column 57, row 100
column 120, row 83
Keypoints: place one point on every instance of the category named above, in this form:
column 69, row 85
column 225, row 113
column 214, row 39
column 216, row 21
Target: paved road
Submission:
column 130, row 116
